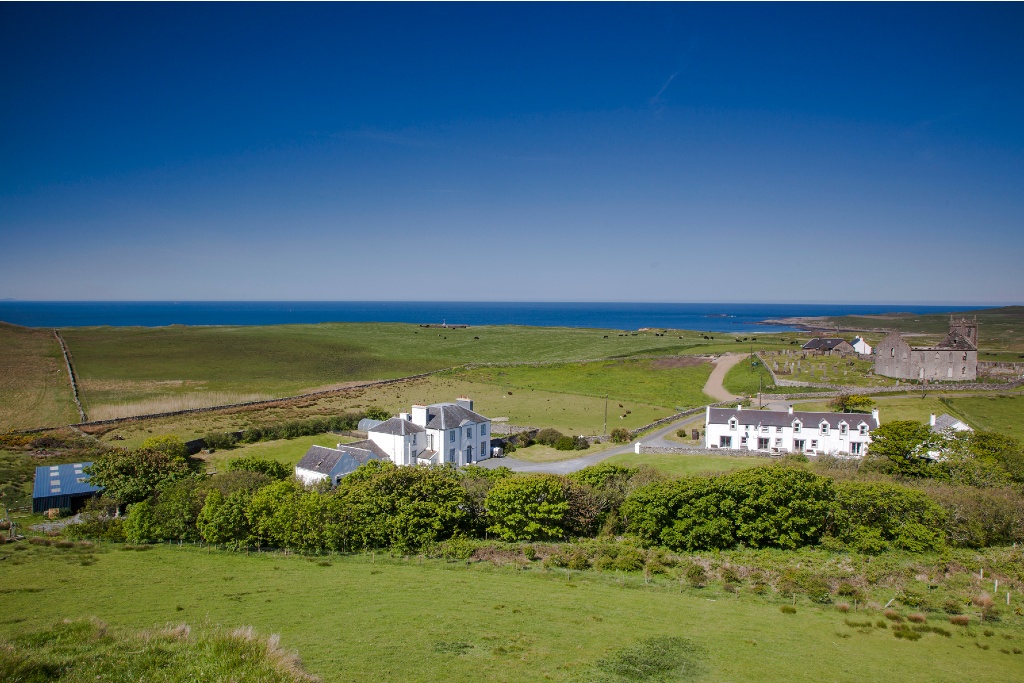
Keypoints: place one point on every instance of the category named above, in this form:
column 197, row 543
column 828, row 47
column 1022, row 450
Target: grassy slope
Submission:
column 653, row 382
column 682, row 465
column 742, row 379
column 347, row 620
column 288, row 451
column 526, row 407
column 128, row 365
column 34, row 387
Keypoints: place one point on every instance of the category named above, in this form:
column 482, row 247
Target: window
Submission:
column 798, row 444
column 814, row 444
column 963, row 371
column 842, row 428
column 824, row 428
column 855, row 447
column 762, row 444
column 796, row 427
column 764, row 429
column 414, row 438
column 451, row 455
column 778, row 430
column 863, row 429
column 725, row 441
column 743, row 441
column 483, row 430
column 483, row 447
column 778, row 442
column 469, row 432
column 965, row 357
column 892, row 352
column 451, row 437
column 732, row 425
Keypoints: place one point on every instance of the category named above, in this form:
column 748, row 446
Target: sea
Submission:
column 725, row 318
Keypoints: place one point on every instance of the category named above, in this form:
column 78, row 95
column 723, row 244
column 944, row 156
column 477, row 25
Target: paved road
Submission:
column 713, row 387
column 656, row 438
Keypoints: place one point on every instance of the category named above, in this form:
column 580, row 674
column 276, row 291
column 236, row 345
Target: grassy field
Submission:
column 683, row 465
column 672, row 382
column 34, row 386
column 346, row 616
column 799, row 366
column 540, row 453
column 569, row 413
column 745, row 380
column 133, row 370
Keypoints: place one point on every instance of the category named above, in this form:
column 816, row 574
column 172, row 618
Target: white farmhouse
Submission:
column 435, row 434
column 946, row 423
column 777, row 431
column 331, row 464
column 861, row 346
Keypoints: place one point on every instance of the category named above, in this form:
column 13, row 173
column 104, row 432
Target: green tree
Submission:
column 527, row 508
column 901, row 447
column 176, row 508
column 851, row 403
column 621, row 435
column 875, row 517
column 272, row 514
column 133, row 476
column 140, row 525
column 223, row 520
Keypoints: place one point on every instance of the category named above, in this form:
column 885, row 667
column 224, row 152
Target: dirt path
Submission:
column 713, row 387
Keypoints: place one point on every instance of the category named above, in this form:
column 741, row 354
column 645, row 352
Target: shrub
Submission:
column 787, row 609
column 874, row 517
column 621, row 435
column 960, row 620
column 696, row 576
column 222, row 440
column 565, row 443
column 548, row 437
column 376, row 413
column 270, row 468
column 953, row 606
column 527, row 508
column 916, row 618
column 892, row 615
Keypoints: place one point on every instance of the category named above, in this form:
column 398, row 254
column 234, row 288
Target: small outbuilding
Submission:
column 331, row 464
column 826, row 346
column 63, row 487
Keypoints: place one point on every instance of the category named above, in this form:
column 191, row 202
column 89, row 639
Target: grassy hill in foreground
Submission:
column 34, row 386
column 367, row 617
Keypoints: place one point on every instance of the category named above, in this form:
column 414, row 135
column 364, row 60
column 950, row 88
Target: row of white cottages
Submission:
column 789, row 431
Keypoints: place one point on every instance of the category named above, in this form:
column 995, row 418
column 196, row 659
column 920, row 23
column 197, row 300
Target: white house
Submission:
column 331, row 464
column 861, row 346
column 435, row 434
column 778, row 431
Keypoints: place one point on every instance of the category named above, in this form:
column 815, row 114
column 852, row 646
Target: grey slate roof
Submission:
column 955, row 341
column 366, row 424
column 945, row 421
column 451, row 416
column 323, row 460
column 398, row 427
column 782, row 418
column 62, row 480
column 823, row 344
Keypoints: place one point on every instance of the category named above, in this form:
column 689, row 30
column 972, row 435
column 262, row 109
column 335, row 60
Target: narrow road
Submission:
column 656, row 438
column 713, row 387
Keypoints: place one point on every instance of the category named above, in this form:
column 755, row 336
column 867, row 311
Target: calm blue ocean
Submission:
column 728, row 318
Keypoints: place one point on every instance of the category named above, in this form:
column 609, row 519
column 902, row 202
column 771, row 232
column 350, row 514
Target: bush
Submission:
column 696, row 576
column 170, row 445
column 979, row 518
column 270, row 468
column 550, row 437
column 222, row 440
column 376, row 413
column 621, row 435
column 875, row 517
column 527, row 508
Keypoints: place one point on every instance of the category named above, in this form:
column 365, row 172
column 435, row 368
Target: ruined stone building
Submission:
column 955, row 358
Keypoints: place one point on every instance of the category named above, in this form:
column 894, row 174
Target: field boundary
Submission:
column 245, row 404
column 71, row 373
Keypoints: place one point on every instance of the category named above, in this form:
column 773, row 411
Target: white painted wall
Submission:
column 781, row 439
column 309, row 477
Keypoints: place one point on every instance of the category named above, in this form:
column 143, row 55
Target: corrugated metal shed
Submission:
column 61, row 486
column 366, row 424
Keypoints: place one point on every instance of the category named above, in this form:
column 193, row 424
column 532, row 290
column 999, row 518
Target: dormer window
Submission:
column 824, row 428
column 842, row 427
column 863, row 429
column 796, row 426
column 732, row 425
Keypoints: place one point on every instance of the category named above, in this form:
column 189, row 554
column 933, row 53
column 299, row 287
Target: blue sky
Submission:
column 613, row 152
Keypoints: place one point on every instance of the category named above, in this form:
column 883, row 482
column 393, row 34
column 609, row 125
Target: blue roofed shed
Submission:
column 62, row 486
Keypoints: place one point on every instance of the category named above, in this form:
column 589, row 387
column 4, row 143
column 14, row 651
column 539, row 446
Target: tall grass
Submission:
column 170, row 404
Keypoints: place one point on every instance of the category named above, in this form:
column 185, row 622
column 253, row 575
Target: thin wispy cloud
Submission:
column 657, row 98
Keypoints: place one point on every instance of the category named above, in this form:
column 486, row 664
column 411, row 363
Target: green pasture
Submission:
column 804, row 367
column 568, row 413
column 34, row 386
column 684, row 465
column 671, row 382
column 744, row 379
column 143, row 369
column 348, row 618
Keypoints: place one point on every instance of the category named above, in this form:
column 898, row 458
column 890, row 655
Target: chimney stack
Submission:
column 465, row 402
column 791, row 410
column 931, row 420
